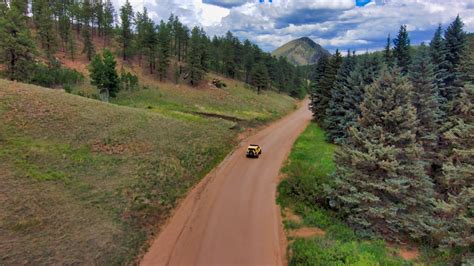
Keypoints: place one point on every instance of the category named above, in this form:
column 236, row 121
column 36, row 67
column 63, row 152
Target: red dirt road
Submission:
column 230, row 217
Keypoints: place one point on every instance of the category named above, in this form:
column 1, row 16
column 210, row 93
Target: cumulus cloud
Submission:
column 345, row 24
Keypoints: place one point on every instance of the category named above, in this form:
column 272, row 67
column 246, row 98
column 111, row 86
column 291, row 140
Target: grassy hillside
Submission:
column 89, row 182
column 300, row 52
column 234, row 102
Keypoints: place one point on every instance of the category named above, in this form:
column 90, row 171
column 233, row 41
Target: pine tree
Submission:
column 387, row 53
column 195, row 69
column 230, row 65
column 43, row 17
column 88, row 45
column 17, row 50
column 248, row 59
column 164, row 49
column 108, row 24
column 126, row 34
column 322, row 94
column 87, row 16
column 467, row 64
column 259, row 77
column 456, row 206
column 380, row 180
column 401, row 51
column 64, row 25
column 205, row 55
column 456, row 44
column 315, row 87
column 147, row 39
column 99, row 15
column 71, row 46
column 438, row 57
column 104, row 75
column 335, row 113
column 427, row 104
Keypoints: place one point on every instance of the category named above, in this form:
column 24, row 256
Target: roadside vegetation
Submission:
column 308, row 177
column 403, row 119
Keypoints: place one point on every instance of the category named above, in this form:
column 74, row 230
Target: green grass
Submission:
column 309, row 166
column 235, row 101
column 308, row 170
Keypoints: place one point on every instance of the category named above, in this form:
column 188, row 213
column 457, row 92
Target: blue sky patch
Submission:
column 362, row 2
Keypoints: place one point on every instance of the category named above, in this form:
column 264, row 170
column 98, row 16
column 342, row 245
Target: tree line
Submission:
column 168, row 49
column 404, row 120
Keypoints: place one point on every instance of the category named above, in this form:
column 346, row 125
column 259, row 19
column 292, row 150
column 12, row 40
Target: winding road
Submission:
column 230, row 217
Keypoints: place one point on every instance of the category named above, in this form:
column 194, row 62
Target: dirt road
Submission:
column 230, row 217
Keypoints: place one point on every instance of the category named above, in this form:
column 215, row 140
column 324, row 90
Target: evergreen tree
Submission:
column 64, row 25
column 456, row 207
column 126, row 34
column 426, row 102
column 147, row 39
column 205, row 55
column 195, row 69
column 401, row 51
column 104, row 75
column 17, row 50
column 259, row 77
column 467, row 65
column 71, row 46
column 381, row 184
column 108, row 21
column 88, row 45
column 87, row 15
column 315, row 87
column 230, row 66
column 141, row 20
column 456, row 44
column 248, row 59
column 387, row 53
column 335, row 113
column 365, row 73
column 43, row 17
column 440, row 64
column 164, row 49
column 322, row 95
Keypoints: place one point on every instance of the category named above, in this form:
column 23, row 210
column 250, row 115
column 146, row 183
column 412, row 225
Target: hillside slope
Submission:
column 302, row 51
column 88, row 182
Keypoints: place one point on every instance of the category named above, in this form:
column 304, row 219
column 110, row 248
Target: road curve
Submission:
column 230, row 217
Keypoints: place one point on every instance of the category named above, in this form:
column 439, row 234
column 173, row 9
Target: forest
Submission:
column 404, row 121
column 168, row 50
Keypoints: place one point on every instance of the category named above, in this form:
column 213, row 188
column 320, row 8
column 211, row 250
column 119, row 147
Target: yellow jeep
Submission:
column 254, row 150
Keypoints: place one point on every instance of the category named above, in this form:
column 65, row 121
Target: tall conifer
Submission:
column 401, row 51
column 381, row 184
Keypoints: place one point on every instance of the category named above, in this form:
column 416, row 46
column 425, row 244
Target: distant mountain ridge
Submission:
column 300, row 52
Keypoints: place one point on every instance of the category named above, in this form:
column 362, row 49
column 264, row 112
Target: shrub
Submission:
column 324, row 251
column 56, row 75
column 128, row 81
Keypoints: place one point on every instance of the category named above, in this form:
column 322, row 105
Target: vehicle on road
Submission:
column 254, row 151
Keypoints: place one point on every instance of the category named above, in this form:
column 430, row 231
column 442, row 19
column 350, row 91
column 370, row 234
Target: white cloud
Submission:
column 332, row 23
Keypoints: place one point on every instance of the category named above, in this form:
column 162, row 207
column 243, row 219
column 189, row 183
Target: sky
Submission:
column 361, row 25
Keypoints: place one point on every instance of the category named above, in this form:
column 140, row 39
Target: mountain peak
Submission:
column 301, row 51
